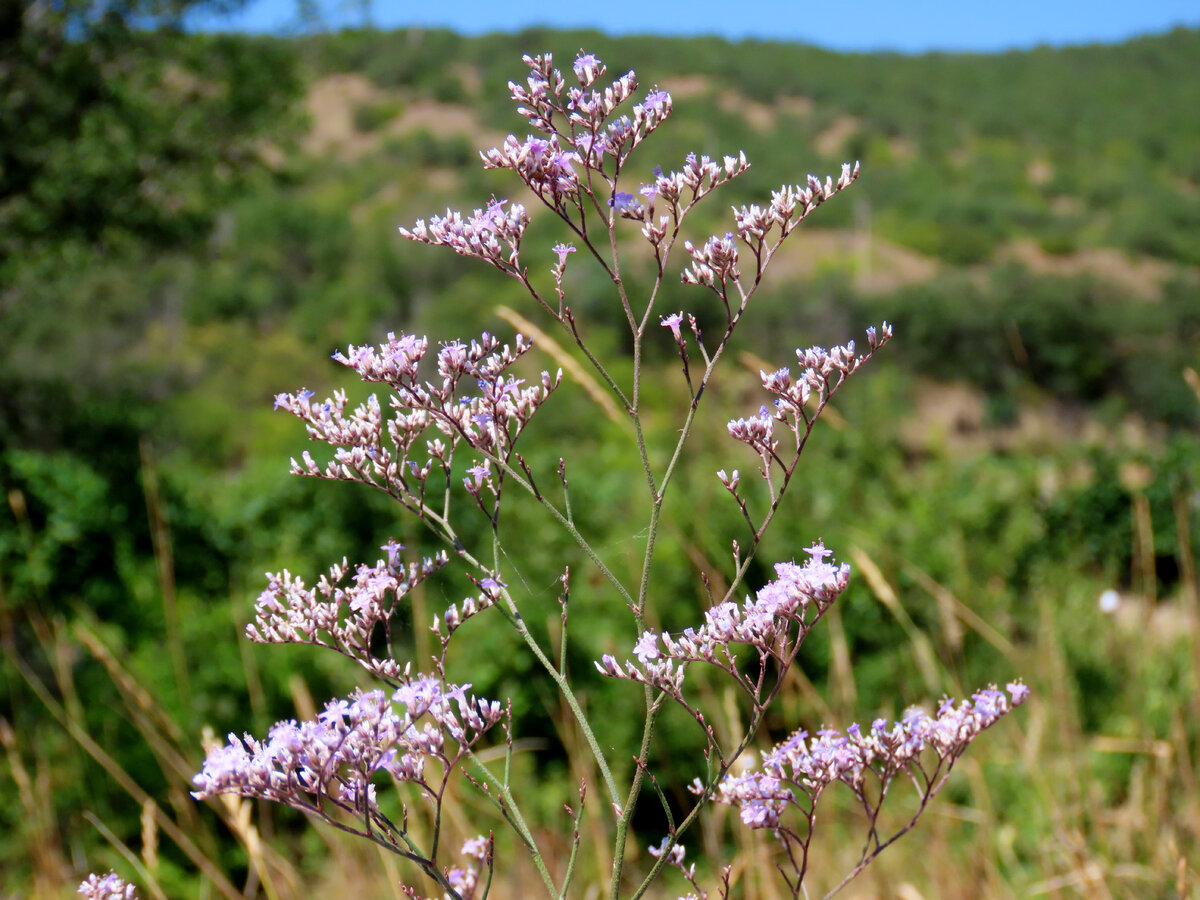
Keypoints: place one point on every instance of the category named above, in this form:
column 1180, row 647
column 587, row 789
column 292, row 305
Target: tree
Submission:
column 114, row 123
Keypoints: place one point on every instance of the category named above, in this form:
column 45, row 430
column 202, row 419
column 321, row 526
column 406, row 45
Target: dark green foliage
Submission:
column 1077, row 338
column 127, row 133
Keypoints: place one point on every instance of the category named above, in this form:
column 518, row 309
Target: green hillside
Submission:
column 190, row 224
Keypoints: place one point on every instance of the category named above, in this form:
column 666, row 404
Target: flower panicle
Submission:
column 790, row 205
column 334, row 757
column 472, row 398
column 714, row 264
column 822, row 373
column 699, row 176
column 492, row 234
column 762, row 622
column 573, row 128
column 806, row 765
column 477, row 401
column 343, row 609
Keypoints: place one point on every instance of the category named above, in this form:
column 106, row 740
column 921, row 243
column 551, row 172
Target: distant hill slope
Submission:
column 1095, row 145
column 1005, row 200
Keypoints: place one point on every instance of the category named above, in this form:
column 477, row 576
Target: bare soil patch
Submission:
column 331, row 103
column 830, row 141
column 687, row 87
column 877, row 266
column 333, row 100
column 1141, row 277
column 953, row 417
column 758, row 116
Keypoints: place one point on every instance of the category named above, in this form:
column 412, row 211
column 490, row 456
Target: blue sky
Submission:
column 912, row 26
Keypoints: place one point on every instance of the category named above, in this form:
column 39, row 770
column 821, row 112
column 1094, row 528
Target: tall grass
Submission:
column 1068, row 800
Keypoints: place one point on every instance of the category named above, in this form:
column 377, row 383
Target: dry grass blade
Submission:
column 160, row 534
column 886, row 594
column 75, row 729
column 50, row 867
column 1193, row 381
column 144, row 873
column 964, row 613
column 845, row 689
column 569, row 364
column 164, row 737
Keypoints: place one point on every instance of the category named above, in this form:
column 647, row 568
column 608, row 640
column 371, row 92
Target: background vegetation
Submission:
column 191, row 223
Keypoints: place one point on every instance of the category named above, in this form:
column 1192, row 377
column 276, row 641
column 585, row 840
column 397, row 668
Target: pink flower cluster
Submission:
column 492, row 234
column 585, row 111
column 334, row 758
column 822, row 373
column 763, row 622
column 715, row 264
column 341, row 616
column 580, row 130
column 807, row 765
column 107, row 887
column 757, row 433
column 698, row 177
column 542, row 164
column 678, row 191
column 790, row 205
column 477, row 402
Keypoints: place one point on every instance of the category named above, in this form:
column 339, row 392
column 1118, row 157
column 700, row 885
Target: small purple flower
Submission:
column 418, row 694
column 587, row 68
column 646, row 648
column 494, row 209
column 818, row 552
column 587, row 144
column 476, row 847
column 624, row 202
column 560, row 165
column 335, row 713
column 393, row 552
column 674, row 855
column 673, row 322
column 562, row 250
column 656, row 100
column 479, row 474
column 462, row 880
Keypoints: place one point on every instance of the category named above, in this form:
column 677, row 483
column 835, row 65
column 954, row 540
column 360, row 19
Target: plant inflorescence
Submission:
column 442, row 439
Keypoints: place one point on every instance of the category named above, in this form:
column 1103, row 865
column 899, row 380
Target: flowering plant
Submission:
column 443, row 442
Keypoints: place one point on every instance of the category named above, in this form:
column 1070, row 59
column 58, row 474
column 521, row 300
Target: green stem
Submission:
column 564, row 686
column 512, row 813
